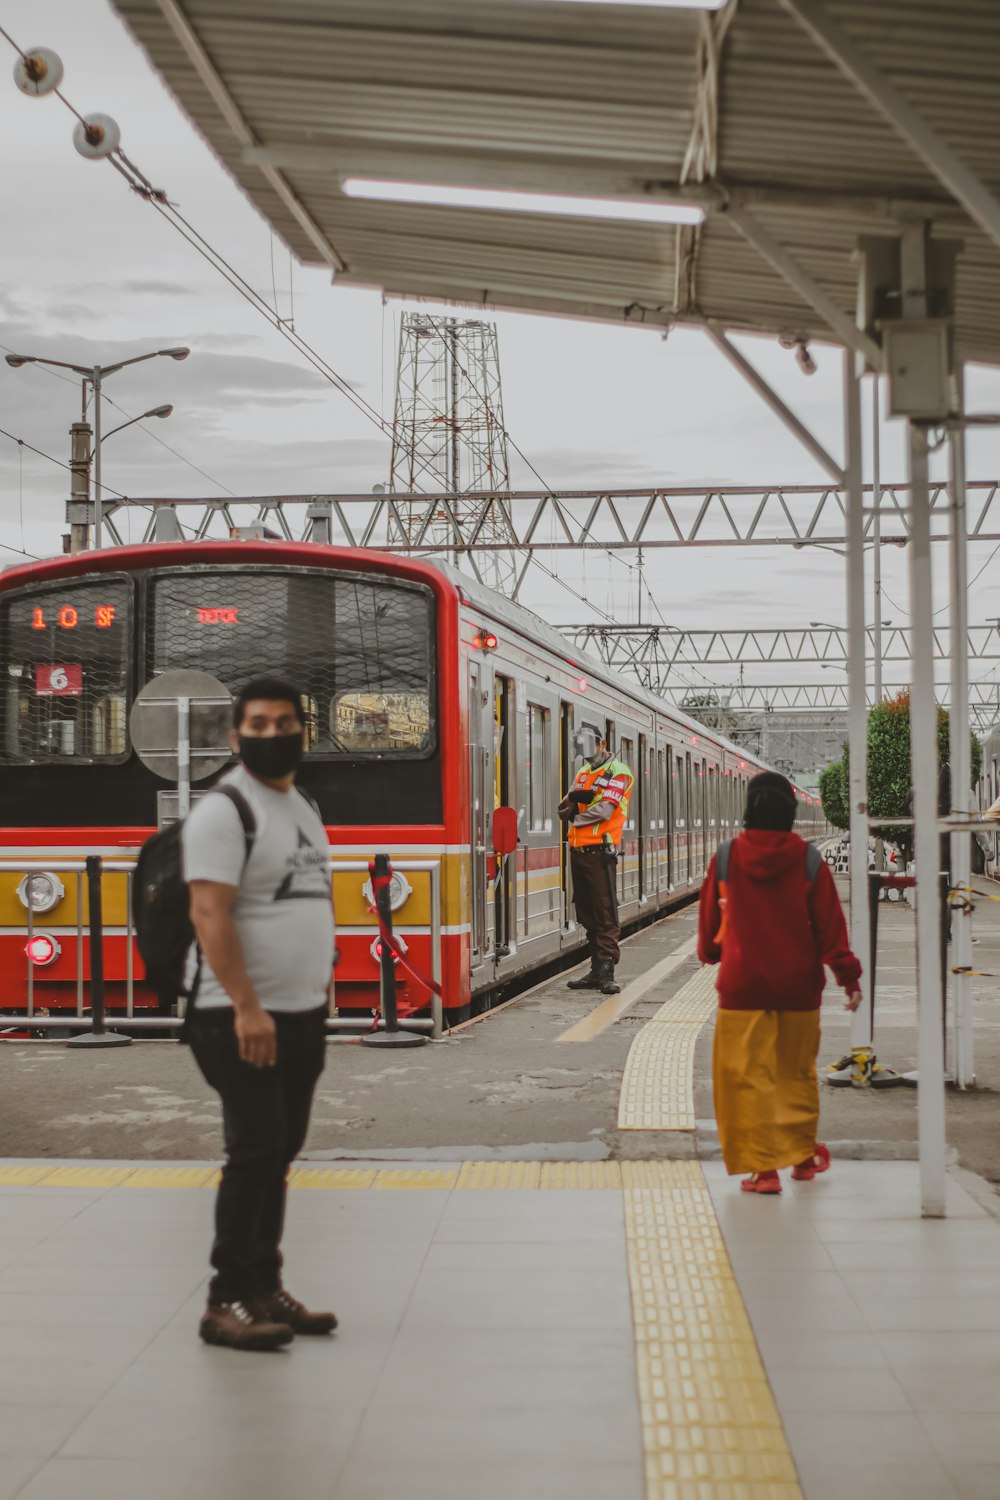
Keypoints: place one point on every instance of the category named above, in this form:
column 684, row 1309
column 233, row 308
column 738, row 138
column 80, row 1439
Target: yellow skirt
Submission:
column 766, row 1094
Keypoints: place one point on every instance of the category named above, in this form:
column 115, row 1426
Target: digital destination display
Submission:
column 70, row 616
column 225, row 616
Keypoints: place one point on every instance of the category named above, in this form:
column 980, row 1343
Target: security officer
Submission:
column 596, row 808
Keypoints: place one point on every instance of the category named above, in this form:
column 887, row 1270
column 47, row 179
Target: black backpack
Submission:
column 160, row 901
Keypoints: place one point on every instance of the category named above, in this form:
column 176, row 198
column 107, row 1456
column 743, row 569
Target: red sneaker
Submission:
column 818, row 1162
column 761, row 1182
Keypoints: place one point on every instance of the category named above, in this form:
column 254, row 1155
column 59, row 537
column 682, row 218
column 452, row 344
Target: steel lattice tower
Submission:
column 448, row 436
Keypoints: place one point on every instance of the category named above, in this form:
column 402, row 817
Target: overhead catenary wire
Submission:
column 157, row 197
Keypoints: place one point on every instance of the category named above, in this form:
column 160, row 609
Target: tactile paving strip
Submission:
column 534, row 1175
column 657, row 1090
column 711, row 1430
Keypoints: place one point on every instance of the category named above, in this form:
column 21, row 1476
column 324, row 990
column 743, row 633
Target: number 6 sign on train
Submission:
column 59, row 680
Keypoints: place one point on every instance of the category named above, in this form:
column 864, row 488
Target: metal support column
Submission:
column 857, row 712
column 959, row 742
column 78, row 509
column 924, row 776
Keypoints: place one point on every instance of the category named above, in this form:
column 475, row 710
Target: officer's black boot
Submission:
column 605, row 970
column 589, row 981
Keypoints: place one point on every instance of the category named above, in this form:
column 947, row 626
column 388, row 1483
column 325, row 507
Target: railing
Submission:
column 32, row 1021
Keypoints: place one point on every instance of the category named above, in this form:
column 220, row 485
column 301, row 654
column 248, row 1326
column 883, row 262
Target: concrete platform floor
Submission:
column 490, row 1338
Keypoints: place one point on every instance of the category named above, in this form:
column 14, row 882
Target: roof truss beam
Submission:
column 608, row 521
column 845, row 53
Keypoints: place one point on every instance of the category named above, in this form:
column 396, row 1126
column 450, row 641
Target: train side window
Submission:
column 539, row 817
column 627, row 754
column 680, row 799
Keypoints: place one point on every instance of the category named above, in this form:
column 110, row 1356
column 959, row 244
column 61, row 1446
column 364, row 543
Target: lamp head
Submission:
column 160, row 411
column 17, row 360
column 179, row 353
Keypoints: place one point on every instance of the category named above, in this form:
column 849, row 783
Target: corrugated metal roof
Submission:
column 589, row 99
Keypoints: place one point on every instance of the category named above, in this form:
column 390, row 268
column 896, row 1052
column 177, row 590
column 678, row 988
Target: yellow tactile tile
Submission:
column 711, row 1430
column 580, row 1174
column 499, row 1175
column 657, row 1090
column 24, row 1176
column 171, row 1177
column 88, row 1176
column 417, row 1178
column 331, row 1177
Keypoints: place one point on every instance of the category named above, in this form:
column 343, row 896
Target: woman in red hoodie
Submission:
column 771, row 929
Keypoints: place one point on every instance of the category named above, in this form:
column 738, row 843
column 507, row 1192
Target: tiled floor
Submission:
column 880, row 1331
column 487, row 1347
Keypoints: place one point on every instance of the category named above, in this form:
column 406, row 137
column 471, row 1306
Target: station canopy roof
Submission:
column 743, row 110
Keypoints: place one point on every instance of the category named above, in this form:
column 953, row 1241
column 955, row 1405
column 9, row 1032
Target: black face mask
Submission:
column 272, row 756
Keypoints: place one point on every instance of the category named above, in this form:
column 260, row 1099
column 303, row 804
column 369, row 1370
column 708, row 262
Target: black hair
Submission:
column 274, row 689
column 770, row 803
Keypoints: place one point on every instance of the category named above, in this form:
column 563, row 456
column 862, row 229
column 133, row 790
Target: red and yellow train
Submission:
column 431, row 702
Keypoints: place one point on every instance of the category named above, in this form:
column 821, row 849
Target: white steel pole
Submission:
column 857, row 709
column 924, row 776
column 877, row 572
column 960, row 743
column 877, row 539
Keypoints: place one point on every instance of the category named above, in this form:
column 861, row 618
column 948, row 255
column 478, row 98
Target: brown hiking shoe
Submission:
column 284, row 1308
column 235, row 1325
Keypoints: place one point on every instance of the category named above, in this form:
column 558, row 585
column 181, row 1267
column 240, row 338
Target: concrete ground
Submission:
column 509, row 1342
column 507, row 1084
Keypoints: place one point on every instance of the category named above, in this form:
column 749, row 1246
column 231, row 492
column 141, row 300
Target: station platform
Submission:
column 547, row 1285
column 560, row 1331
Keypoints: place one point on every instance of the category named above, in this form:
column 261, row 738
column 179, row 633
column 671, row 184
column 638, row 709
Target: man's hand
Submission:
column 853, row 1000
column 256, row 1037
column 581, row 796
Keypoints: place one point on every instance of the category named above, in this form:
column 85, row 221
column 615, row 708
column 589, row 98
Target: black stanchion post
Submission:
column 945, row 881
column 874, row 890
column 98, row 1035
column 381, row 877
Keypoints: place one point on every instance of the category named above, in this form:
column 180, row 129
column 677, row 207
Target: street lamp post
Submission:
column 96, row 374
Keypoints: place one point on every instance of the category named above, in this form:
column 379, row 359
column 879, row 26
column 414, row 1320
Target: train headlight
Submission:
column 42, row 949
column 400, row 891
column 41, row 890
column 376, row 948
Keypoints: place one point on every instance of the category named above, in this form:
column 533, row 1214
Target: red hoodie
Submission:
column 779, row 930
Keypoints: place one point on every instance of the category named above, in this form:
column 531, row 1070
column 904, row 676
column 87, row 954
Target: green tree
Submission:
column 833, row 795
column 889, row 765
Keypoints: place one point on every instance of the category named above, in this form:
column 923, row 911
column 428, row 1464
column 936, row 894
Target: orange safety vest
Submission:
column 612, row 783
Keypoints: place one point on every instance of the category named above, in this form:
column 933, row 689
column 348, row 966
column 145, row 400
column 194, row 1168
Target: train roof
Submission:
column 524, row 620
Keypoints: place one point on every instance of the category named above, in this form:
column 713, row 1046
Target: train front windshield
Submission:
column 73, row 655
column 360, row 650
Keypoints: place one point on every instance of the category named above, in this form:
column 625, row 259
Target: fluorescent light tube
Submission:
column 660, row 4
column 635, row 210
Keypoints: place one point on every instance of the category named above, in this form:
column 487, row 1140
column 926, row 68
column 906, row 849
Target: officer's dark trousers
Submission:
column 265, row 1116
column 595, row 897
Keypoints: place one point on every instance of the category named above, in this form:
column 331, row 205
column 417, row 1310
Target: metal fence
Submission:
column 82, row 1015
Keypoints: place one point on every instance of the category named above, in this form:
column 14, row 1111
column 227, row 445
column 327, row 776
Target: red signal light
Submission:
column 581, row 684
column 485, row 640
column 42, row 949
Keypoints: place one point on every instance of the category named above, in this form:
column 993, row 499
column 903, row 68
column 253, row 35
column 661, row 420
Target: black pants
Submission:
column 265, row 1116
column 595, row 897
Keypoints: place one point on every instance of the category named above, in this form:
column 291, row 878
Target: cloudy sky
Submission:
column 92, row 273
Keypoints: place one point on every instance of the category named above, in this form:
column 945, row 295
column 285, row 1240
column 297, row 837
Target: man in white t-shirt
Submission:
column 256, row 859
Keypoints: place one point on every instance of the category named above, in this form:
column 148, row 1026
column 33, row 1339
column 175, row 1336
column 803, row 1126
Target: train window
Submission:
column 681, row 797
column 65, row 653
column 539, row 815
column 627, row 754
column 360, row 648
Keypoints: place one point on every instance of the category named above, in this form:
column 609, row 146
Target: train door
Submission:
column 665, row 839
column 679, row 790
column 566, row 774
column 628, row 862
column 503, row 793
column 481, row 789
